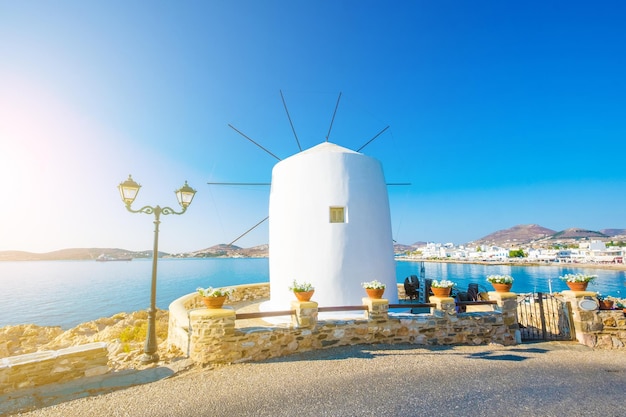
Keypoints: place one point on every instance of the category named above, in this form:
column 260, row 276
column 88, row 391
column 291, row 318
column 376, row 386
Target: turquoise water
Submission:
column 527, row 278
column 66, row 293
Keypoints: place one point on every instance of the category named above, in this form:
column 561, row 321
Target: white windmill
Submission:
column 330, row 225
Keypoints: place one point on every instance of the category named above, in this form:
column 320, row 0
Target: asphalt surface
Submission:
column 542, row 379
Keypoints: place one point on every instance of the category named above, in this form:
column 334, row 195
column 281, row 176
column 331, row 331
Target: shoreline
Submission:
column 612, row 266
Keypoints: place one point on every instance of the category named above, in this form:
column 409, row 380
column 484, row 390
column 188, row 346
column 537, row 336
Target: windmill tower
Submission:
column 329, row 225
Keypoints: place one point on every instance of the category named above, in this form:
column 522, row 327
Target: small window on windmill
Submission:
column 337, row 215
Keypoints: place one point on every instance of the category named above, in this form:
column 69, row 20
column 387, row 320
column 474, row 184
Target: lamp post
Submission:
column 129, row 190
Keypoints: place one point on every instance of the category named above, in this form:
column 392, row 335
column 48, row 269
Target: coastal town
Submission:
column 587, row 252
column 528, row 244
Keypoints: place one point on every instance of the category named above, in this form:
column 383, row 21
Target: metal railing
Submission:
column 261, row 314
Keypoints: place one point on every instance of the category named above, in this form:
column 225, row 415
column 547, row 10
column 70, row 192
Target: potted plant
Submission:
column 214, row 297
column 501, row 283
column 605, row 303
column 374, row 289
column 442, row 288
column 578, row 282
column 302, row 290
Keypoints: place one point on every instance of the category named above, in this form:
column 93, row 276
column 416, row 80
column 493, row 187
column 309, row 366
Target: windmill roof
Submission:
column 327, row 147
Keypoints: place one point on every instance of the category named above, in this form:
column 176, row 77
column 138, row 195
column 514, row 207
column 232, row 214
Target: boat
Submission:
column 107, row 258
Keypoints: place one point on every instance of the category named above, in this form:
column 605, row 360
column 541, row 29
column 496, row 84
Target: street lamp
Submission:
column 128, row 191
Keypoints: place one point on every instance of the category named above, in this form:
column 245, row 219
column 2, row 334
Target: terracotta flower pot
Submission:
column 304, row 295
column 501, row 287
column 577, row 286
column 214, row 302
column 441, row 292
column 605, row 304
column 376, row 293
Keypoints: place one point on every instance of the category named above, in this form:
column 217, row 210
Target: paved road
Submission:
column 543, row 379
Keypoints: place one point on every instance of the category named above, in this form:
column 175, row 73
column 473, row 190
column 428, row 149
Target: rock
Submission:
column 29, row 338
column 18, row 340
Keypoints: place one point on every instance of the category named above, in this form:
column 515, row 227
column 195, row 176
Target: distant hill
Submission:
column 231, row 251
column 400, row 248
column 577, row 233
column 527, row 233
column 512, row 237
column 74, row 254
column 214, row 251
column 81, row 254
column 515, row 235
column 613, row 232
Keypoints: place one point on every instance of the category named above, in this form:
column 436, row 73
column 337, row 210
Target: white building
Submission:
column 570, row 255
column 597, row 246
column 544, row 255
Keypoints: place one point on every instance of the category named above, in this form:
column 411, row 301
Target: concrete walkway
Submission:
column 542, row 379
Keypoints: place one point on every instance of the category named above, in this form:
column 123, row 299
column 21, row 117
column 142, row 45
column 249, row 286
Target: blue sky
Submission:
column 499, row 113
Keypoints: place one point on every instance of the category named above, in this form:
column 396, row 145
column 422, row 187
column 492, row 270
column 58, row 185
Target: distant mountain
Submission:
column 515, row 235
column 613, row 232
column 577, row 233
column 214, row 251
column 527, row 233
column 230, row 251
column 512, row 237
column 74, row 254
column 400, row 248
column 260, row 251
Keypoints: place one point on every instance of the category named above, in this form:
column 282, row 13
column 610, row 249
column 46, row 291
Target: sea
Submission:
column 67, row 293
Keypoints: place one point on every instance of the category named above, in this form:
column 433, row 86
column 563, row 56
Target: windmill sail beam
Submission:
column 239, row 183
column 242, row 134
column 372, row 139
column 333, row 119
column 248, row 231
column 268, row 183
column 293, row 129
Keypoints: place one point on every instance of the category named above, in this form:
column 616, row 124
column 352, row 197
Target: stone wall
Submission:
column 179, row 309
column 210, row 335
column 603, row 329
column 213, row 336
column 40, row 368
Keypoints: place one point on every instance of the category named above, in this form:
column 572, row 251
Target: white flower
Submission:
column 578, row 278
column 444, row 283
column 374, row 285
column 214, row 292
column 500, row 279
column 301, row 286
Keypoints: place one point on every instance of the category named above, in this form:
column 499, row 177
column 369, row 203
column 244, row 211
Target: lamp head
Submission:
column 128, row 191
column 185, row 195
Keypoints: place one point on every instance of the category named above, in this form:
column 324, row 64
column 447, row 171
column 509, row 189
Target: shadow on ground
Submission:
column 492, row 353
column 51, row 394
